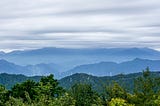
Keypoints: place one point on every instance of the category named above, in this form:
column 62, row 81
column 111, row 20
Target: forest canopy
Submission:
column 48, row 92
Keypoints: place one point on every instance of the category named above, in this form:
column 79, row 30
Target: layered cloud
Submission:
column 33, row 24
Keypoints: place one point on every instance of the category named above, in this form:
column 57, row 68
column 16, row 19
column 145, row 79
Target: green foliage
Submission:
column 9, row 80
column 157, row 101
column 146, row 92
column 119, row 102
column 3, row 95
column 47, row 92
column 14, row 102
column 84, row 95
column 65, row 100
column 49, row 86
column 144, row 89
column 18, row 90
column 115, row 91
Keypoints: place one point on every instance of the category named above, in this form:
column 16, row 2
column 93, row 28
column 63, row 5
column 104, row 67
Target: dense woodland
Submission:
column 48, row 92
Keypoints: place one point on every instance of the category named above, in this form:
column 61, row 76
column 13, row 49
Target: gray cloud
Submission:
column 78, row 24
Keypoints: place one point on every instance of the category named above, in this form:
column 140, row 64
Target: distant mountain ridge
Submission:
column 29, row 70
column 112, row 68
column 96, row 69
column 8, row 67
column 67, row 51
column 64, row 61
column 69, row 58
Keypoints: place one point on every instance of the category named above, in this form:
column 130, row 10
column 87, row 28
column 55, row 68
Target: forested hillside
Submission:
column 48, row 92
column 98, row 83
column 8, row 80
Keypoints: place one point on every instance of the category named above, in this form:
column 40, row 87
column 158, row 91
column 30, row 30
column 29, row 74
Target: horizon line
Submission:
column 30, row 49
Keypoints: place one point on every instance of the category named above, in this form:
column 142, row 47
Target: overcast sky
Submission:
column 30, row 24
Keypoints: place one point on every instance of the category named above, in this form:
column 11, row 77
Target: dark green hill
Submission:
column 8, row 80
column 98, row 83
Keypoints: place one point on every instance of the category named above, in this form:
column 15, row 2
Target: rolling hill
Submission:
column 98, row 83
column 8, row 80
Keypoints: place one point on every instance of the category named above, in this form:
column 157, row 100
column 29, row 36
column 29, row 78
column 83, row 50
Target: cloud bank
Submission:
column 26, row 24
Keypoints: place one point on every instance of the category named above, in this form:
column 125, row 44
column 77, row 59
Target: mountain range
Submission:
column 112, row 68
column 70, row 58
column 63, row 62
column 29, row 70
column 96, row 69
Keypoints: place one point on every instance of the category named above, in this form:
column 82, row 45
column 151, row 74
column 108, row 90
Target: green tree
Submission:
column 115, row 91
column 65, row 100
column 84, row 95
column 19, row 90
column 15, row 102
column 49, row 86
column 119, row 102
column 145, row 89
column 3, row 95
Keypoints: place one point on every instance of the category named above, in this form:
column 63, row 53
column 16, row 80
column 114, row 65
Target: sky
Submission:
column 31, row 24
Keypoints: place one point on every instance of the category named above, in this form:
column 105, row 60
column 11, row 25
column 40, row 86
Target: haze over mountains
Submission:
column 62, row 62
column 112, row 68
column 29, row 70
column 73, row 57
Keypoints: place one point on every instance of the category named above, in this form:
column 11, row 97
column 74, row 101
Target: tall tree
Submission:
column 84, row 95
column 49, row 86
column 115, row 91
column 145, row 89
